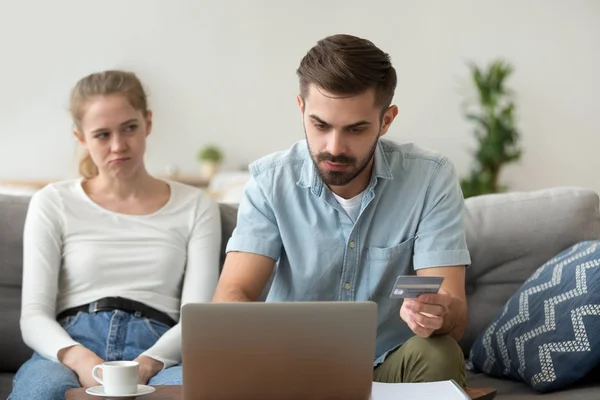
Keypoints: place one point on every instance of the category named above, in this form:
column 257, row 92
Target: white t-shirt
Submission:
column 351, row 206
column 76, row 252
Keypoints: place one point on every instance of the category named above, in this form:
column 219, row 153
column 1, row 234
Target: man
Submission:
column 345, row 212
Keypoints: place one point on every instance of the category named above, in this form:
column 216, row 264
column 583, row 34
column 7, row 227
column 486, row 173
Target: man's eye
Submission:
column 131, row 127
column 102, row 135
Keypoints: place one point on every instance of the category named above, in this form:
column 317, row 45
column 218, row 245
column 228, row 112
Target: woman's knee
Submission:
column 40, row 378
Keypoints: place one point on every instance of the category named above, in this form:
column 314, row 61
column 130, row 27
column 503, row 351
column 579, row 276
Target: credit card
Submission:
column 411, row 286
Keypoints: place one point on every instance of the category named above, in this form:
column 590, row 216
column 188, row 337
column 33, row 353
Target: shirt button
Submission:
column 352, row 244
column 347, row 286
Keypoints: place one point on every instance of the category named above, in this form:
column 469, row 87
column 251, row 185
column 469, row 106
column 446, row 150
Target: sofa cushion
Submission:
column 228, row 222
column 13, row 210
column 13, row 351
column 546, row 334
column 586, row 389
column 6, row 381
column 510, row 235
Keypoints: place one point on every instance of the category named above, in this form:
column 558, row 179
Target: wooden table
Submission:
column 481, row 393
column 176, row 393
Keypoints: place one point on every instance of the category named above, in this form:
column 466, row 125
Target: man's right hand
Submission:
column 81, row 360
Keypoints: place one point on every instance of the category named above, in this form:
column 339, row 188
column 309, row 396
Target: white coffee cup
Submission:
column 118, row 377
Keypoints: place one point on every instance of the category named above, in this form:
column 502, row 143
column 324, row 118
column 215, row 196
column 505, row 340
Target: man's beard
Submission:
column 341, row 178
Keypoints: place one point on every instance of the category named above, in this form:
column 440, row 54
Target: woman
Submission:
column 110, row 258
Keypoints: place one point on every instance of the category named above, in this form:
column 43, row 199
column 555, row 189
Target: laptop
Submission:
column 275, row 351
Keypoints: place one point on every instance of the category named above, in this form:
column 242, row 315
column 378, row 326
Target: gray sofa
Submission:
column 509, row 237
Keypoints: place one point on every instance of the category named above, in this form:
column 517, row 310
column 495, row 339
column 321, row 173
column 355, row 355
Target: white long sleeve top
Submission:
column 76, row 252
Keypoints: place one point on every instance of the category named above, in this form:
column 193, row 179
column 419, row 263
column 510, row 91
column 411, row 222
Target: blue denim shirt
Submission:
column 411, row 217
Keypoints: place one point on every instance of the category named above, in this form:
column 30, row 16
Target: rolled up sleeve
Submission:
column 441, row 240
column 256, row 230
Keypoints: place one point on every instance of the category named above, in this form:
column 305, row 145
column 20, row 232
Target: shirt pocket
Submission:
column 385, row 264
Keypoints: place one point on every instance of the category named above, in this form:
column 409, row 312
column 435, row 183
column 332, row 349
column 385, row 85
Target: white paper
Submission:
column 447, row 390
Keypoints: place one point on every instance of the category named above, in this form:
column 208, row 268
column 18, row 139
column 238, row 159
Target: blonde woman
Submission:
column 110, row 258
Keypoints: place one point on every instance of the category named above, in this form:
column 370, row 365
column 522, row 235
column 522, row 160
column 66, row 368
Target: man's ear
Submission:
column 388, row 118
column 300, row 103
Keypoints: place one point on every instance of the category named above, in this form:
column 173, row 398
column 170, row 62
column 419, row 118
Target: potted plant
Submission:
column 210, row 158
column 493, row 115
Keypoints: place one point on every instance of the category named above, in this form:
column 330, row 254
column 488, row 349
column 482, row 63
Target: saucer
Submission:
column 99, row 391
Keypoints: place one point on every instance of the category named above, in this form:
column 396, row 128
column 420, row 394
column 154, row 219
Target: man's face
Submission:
column 342, row 132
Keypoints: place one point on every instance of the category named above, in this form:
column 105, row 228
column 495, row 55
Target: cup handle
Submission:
column 95, row 373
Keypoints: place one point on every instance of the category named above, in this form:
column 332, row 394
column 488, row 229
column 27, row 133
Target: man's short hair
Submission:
column 348, row 65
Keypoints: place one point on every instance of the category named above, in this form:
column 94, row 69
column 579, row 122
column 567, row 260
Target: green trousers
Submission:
column 437, row 358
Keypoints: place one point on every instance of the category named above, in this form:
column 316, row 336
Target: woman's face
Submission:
column 114, row 133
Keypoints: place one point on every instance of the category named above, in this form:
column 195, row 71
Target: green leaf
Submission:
column 495, row 130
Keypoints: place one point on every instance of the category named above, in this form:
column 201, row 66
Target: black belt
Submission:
column 119, row 303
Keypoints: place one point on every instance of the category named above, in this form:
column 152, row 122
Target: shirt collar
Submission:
column 309, row 177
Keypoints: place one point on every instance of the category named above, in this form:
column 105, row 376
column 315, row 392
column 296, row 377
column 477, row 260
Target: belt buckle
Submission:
column 96, row 308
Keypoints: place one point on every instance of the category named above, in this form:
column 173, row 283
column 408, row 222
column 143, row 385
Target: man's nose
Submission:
column 335, row 144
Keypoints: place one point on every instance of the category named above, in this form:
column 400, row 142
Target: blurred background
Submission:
column 508, row 90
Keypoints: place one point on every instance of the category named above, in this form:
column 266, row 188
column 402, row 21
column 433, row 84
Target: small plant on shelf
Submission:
column 210, row 158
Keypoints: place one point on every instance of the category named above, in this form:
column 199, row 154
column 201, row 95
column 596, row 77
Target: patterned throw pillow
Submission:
column 548, row 333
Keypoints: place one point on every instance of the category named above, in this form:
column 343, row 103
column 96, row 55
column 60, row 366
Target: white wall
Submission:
column 224, row 72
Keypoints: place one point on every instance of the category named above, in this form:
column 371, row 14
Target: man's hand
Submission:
column 244, row 277
column 425, row 315
column 81, row 360
column 148, row 368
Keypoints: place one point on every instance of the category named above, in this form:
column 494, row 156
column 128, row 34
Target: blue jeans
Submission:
column 112, row 335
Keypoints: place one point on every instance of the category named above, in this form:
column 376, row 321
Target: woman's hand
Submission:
column 148, row 368
column 81, row 360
